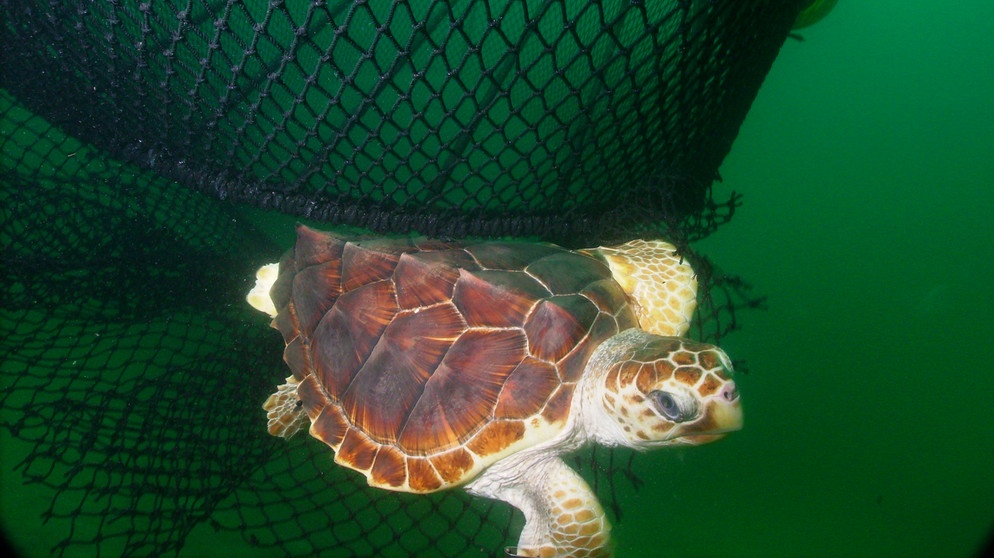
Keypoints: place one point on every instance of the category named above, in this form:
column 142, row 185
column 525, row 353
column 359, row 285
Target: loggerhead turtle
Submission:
column 427, row 365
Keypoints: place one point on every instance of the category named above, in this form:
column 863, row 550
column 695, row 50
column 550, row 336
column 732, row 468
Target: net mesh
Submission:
column 552, row 119
column 133, row 372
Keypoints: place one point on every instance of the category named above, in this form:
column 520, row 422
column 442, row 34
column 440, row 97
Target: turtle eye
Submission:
column 668, row 406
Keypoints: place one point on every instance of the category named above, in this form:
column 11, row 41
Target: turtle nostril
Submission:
column 729, row 392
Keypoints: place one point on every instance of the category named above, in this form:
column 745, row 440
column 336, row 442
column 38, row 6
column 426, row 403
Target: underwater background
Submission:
column 867, row 170
column 866, row 165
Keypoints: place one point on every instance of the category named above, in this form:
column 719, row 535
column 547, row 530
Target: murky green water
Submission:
column 867, row 165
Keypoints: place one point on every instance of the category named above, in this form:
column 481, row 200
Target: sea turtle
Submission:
column 427, row 365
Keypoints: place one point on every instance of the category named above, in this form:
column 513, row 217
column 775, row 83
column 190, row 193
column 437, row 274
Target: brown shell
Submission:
column 421, row 362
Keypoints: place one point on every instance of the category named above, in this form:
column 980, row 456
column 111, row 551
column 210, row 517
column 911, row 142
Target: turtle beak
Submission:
column 724, row 415
column 726, row 410
column 727, row 417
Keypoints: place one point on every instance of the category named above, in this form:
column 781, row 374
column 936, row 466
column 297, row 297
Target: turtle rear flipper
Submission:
column 285, row 410
column 258, row 297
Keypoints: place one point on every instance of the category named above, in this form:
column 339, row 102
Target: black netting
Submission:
column 133, row 372
column 565, row 120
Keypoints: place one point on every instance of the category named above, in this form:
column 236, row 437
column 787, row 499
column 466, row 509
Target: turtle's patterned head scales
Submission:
column 667, row 391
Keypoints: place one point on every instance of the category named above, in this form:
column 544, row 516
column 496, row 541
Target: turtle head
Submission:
column 650, row 391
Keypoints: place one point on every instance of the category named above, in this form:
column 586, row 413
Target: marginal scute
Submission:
column 314, row 398
column 421, row 476
column 496, row 437
column 315, row 247
column 452, row 465
column 315, row 290
column 281, row 290
column 389, row 468
column 286, row 322
column 557, row 408
column 297, row 356
column 357, row 451
column 330, row 426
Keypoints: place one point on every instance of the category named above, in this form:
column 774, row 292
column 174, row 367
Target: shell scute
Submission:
column 452, row 465
column 356, row 451
column 496, row 436
column 421, row 475
column 609, row 298
column 392, row 378
column 313, row 397
column 568, row 272
column 557, row 409
column 389, row 467
column 558, row 324
column 460, row 396
column 527, row 388
column 427, row 278
column 571, row 366
column 345, row 337
column 286, row 322
column 496, row 298
column 283, row 286
column 329, row 426
column 510, row 256
column 297, row 356
column 362, row 264
column 315, row 290
column 315, row 247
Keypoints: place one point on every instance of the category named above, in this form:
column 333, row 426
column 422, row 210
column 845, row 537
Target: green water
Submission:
column 866, row 164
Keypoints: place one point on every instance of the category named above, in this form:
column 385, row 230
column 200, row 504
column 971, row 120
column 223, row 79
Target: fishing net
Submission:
column 141, row 139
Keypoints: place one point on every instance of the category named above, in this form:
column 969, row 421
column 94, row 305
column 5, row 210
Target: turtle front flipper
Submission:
column 659, row 282
column 562, row 514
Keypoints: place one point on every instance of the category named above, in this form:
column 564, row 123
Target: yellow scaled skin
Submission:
column 660, row 283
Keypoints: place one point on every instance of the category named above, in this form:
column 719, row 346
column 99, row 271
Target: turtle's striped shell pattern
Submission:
column 420, row 362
